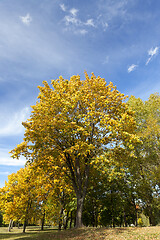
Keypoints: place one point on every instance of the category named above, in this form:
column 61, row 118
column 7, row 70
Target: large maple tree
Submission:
column 74, row 122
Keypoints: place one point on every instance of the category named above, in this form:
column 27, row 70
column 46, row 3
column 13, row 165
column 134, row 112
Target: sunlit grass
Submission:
column 145, row 233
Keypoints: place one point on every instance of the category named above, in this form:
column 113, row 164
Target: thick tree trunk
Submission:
column 80, row 201
column 80, row 183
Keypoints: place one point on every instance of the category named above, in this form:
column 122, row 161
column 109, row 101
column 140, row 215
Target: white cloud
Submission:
column 63, row 7
column 90, row 22
column 132, row 67
column 76, row 25
column 11, row 124
column 26, row 19
column 152, row 52
column 74, row 11
column 6, row 160
column 69, row 19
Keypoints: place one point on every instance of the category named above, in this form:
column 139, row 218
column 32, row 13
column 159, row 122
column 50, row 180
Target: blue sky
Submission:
column 43, row 39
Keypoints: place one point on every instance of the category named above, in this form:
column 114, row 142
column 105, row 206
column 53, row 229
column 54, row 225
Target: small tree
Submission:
column 18, row 197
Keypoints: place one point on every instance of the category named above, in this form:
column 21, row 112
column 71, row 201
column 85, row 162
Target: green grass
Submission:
column 33, row 233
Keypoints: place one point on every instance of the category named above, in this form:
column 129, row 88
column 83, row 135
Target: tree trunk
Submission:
column 125, row 221
column 152, row 221
column 10, row 225
column 43, row 220
column 65, row 221
column 136, row 214
column 71, row 219
column 60, row 219
column 80, row 183
column 79, row 222
column 24, row 225
column 96, row 216
column 18, row 225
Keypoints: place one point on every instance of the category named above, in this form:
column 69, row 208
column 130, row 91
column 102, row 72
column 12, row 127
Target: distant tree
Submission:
column 18, row 197
column 146, row 166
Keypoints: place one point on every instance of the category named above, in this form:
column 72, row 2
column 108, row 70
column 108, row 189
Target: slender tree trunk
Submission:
column 96, row 215
column 121, row 222
column 125, row 221
column 10, row 225
column 136, row 214
column 71, row 219
column 112, row 208
column 65, row 222
column 43, row 220
column 60, row 219
column 24, row 225
column 75, row 221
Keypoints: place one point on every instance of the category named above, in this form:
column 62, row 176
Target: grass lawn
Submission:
column 145, row 233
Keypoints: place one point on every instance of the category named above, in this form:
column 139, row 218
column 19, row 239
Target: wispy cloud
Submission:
column 63, row 7
column 132, row 67
column 71, row 20
column 75, row 21
column 74, row 11
column 12, row 126
column 26, row 19
column 90, row 22
column 152, row 52
column 75, row 24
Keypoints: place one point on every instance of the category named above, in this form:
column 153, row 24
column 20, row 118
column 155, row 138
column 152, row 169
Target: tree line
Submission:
column 92, row 158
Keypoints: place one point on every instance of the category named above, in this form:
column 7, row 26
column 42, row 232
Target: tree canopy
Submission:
column 75, row 125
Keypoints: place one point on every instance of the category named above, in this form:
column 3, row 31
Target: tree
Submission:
column 18, row 197
column 72, row 124
column 146, row 168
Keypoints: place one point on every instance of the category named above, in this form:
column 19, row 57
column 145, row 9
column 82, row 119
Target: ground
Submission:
column 33, row 233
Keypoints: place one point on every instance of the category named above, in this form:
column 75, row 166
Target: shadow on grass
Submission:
column 31, row 233
column 54, row 234
column 16, row 235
